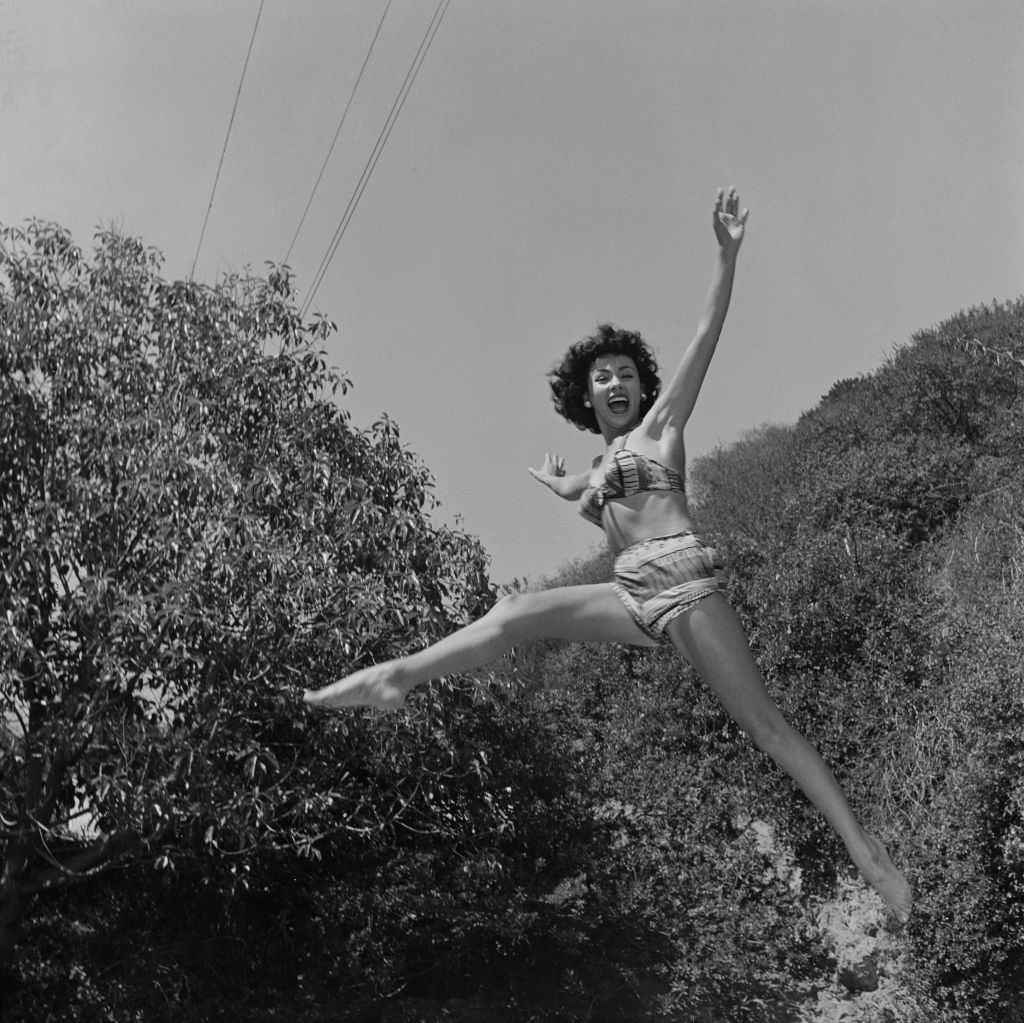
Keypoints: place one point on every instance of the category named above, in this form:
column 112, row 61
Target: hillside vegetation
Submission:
column 876, row 549
column 194, row 532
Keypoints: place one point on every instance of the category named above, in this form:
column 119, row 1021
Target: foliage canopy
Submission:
column 192, row 533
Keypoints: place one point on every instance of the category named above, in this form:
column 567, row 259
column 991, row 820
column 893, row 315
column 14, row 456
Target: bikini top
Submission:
column 628, row 473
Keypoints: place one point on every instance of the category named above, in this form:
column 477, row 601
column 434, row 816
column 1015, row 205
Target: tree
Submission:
column 191, row 533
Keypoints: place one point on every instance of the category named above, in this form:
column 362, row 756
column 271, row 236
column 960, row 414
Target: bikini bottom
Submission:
column 660, row 578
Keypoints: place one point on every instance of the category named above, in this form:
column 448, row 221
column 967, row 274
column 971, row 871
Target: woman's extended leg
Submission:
column 590, row 613
column 712, row 638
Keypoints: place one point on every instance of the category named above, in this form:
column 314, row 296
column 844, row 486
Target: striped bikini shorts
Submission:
column 660, row 578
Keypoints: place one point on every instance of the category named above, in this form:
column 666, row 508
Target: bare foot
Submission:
column 372, row 687
column 882, row 874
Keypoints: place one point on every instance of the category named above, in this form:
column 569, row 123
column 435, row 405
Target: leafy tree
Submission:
column 191, row 533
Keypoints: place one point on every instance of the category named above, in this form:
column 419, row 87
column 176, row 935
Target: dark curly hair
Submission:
column 570, row 377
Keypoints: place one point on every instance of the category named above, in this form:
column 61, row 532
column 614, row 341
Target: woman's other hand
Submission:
column 550, row 472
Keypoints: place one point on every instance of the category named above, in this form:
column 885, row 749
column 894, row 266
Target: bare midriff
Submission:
column 628, row 520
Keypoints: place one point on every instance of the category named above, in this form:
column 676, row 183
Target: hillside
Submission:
column 875, row 550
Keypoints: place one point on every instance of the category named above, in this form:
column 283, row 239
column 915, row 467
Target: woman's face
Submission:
column 614, row 388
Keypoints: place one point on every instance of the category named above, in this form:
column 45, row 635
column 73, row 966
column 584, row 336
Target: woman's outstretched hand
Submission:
column 550, row 472
column 729, row 223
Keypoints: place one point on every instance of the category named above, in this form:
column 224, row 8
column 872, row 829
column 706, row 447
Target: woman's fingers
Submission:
column 554, row 464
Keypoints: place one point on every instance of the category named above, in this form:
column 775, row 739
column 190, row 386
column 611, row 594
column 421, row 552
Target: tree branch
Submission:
column 88, row 862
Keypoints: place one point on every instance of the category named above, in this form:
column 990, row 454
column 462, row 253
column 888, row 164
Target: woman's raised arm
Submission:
column 676, row 400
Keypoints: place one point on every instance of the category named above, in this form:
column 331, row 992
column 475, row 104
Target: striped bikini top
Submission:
column 628, row 473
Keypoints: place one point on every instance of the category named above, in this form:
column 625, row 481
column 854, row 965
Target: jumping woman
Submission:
column 667, row 585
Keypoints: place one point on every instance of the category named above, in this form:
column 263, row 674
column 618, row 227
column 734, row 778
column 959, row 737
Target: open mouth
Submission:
column 618, row 404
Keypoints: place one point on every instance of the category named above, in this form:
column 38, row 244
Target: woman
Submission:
column 667, row 583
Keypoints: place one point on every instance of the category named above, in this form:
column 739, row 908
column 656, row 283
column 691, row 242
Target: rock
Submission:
column 860, row 974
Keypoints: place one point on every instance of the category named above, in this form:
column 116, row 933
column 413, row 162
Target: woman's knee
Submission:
column 511, row 615
column 771, row 732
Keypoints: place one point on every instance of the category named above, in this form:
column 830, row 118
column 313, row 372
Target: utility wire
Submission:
column 359, row 78
column 382, row 138
column 378, row 147
column 231, row 121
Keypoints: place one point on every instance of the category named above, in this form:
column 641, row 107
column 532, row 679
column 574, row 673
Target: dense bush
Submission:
column 884, row 601
column 875, row 551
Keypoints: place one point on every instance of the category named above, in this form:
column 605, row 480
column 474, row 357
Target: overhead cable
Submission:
column 231, row 121
column 382, row 138
column 344, row 114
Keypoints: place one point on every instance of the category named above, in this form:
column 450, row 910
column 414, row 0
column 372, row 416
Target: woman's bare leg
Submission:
column 585, row 613
column 711, row 636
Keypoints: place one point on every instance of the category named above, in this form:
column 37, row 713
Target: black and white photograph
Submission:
column 511, row 511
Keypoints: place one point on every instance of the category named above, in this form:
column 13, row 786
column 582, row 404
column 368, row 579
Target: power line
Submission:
column 366, row 60
column 371, row 163
column 382, row 138
column 231, row 121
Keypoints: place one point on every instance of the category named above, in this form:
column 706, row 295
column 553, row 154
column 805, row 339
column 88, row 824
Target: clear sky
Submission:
column 553, row 167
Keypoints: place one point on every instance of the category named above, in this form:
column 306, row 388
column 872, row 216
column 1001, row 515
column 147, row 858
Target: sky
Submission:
column 553, row 167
